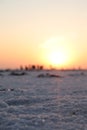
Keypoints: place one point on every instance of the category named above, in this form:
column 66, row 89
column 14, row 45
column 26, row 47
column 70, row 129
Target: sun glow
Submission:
column 58, row 52
column 57, row 58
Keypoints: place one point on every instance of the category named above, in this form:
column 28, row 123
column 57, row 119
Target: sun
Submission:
column 57, row 52
column 57, row 57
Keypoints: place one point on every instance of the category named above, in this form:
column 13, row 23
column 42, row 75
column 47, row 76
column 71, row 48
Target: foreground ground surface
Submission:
column 30, row 102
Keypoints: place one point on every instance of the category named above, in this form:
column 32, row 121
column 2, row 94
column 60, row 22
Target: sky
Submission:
column 47, row 32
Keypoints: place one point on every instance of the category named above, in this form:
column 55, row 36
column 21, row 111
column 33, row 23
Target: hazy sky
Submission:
column 27, row 25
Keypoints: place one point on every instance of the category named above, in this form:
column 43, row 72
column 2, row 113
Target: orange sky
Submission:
column 32, row 32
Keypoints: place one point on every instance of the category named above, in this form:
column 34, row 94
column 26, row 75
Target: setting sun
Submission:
column 57, row 58
column 58, row 52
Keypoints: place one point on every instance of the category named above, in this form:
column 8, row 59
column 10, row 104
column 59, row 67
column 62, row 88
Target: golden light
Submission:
column 57, row 58
column 58, row 52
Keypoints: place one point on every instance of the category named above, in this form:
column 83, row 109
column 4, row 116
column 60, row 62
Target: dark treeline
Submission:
column 40, row 67
column 32, row 67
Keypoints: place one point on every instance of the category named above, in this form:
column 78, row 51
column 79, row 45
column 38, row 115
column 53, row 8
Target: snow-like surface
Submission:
column 31, row 103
